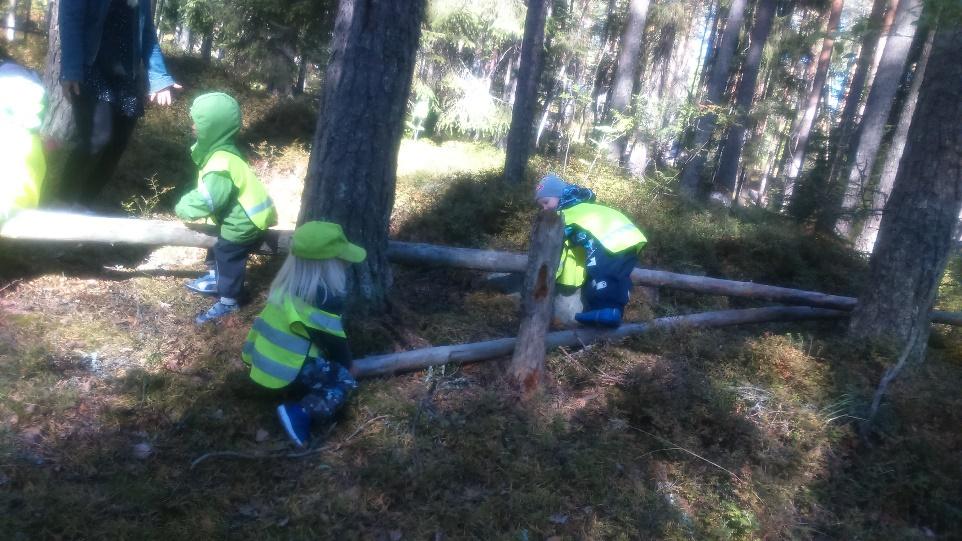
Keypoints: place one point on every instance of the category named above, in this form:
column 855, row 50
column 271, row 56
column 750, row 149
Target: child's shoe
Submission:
column 206, row 284
column 603, row 317
column 217, row 311
column 296, row 422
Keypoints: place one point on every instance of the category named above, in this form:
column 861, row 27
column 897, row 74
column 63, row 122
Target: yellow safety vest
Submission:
column 251, row 193
column 22, row 156
column 278, row 343
column 611, row 228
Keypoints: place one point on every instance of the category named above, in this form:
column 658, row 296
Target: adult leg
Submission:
column 110, row 136
column 79, row 159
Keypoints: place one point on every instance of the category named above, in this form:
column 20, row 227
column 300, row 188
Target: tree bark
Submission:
column 877, row 109
column 691, row 183
column 352, row 171
column 744, row 97
column 520, row 134
column 799, row 143
column 625, row 69
column 527, row 362
column 921, row 217
column 58, row 123
column 865, row 242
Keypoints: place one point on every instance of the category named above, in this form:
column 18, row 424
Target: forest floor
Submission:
column 111, row 399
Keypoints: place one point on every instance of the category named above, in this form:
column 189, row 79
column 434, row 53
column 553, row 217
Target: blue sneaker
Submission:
column 603, row 317
column 296, row 422
column 205, row 285
column 217, row 311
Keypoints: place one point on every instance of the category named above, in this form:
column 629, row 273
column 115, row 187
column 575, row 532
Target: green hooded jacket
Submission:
column 217, row 118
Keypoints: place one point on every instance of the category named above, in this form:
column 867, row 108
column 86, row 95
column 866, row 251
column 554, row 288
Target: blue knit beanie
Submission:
column 550, row 185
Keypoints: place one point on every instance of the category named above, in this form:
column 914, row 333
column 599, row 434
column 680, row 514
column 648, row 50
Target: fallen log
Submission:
column 393, row 363
column 39, row 225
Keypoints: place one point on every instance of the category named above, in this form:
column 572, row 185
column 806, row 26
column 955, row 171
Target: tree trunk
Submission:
column 206, row 45
column 732, row 152
column 158, row 14
column 12, row 21
column 921, row 217
column 691, row 184
column 877, row 109
column 799, row 144
column 625, row 69
column 527, row 363
column 418, row 359
column 352, row 171
column 301, row 76
column 520, row 138
column 869, row 51
column 191, row 40
column 58, row 130
column 865, row 242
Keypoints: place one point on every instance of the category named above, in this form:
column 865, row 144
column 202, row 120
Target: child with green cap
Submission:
column 297, row 342
column 230, row 195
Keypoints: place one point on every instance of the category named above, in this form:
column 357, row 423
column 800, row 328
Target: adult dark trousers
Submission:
column 230, row 263
column 609, row 277
column 102, row 136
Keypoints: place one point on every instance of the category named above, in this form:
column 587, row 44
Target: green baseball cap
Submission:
column 324, row 240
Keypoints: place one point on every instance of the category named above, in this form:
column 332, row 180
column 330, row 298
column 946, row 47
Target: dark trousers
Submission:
column 325, row 386
column 609, row 280
column 229, row 260
column 102, row 136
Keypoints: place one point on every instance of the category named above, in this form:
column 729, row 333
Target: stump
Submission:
column 527, row 362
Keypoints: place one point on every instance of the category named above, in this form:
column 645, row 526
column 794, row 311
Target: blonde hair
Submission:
column 302, row 278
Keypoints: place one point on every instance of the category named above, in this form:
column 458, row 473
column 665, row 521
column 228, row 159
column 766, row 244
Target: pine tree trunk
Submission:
column 58, row 123
column 691, row 184
column 921, row 218
column 869, row 50
column 206, row 45
column 520, row 134
column 732, row 152
column 877, row 109
column 799, row 143
column 12, row 21
column 865, row 242
column 301, row 76
column 625, row 69
column 352, row 171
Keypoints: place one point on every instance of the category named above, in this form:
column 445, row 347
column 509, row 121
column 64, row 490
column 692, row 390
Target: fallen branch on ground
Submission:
column 299, row 454
column 382, row 365
column 38, row 225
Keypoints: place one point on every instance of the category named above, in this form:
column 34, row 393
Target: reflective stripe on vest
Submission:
column 251, row 193
column 278, row 342
column 612, row 229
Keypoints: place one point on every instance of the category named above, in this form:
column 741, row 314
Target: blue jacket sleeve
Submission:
column 157, row 75
column 71, row 19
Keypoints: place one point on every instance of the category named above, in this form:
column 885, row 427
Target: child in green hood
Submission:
column 230, row 195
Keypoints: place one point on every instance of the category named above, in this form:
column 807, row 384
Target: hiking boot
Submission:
column 217, row 311
column 296, row 422
column 603, row 317
column 205, row 285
